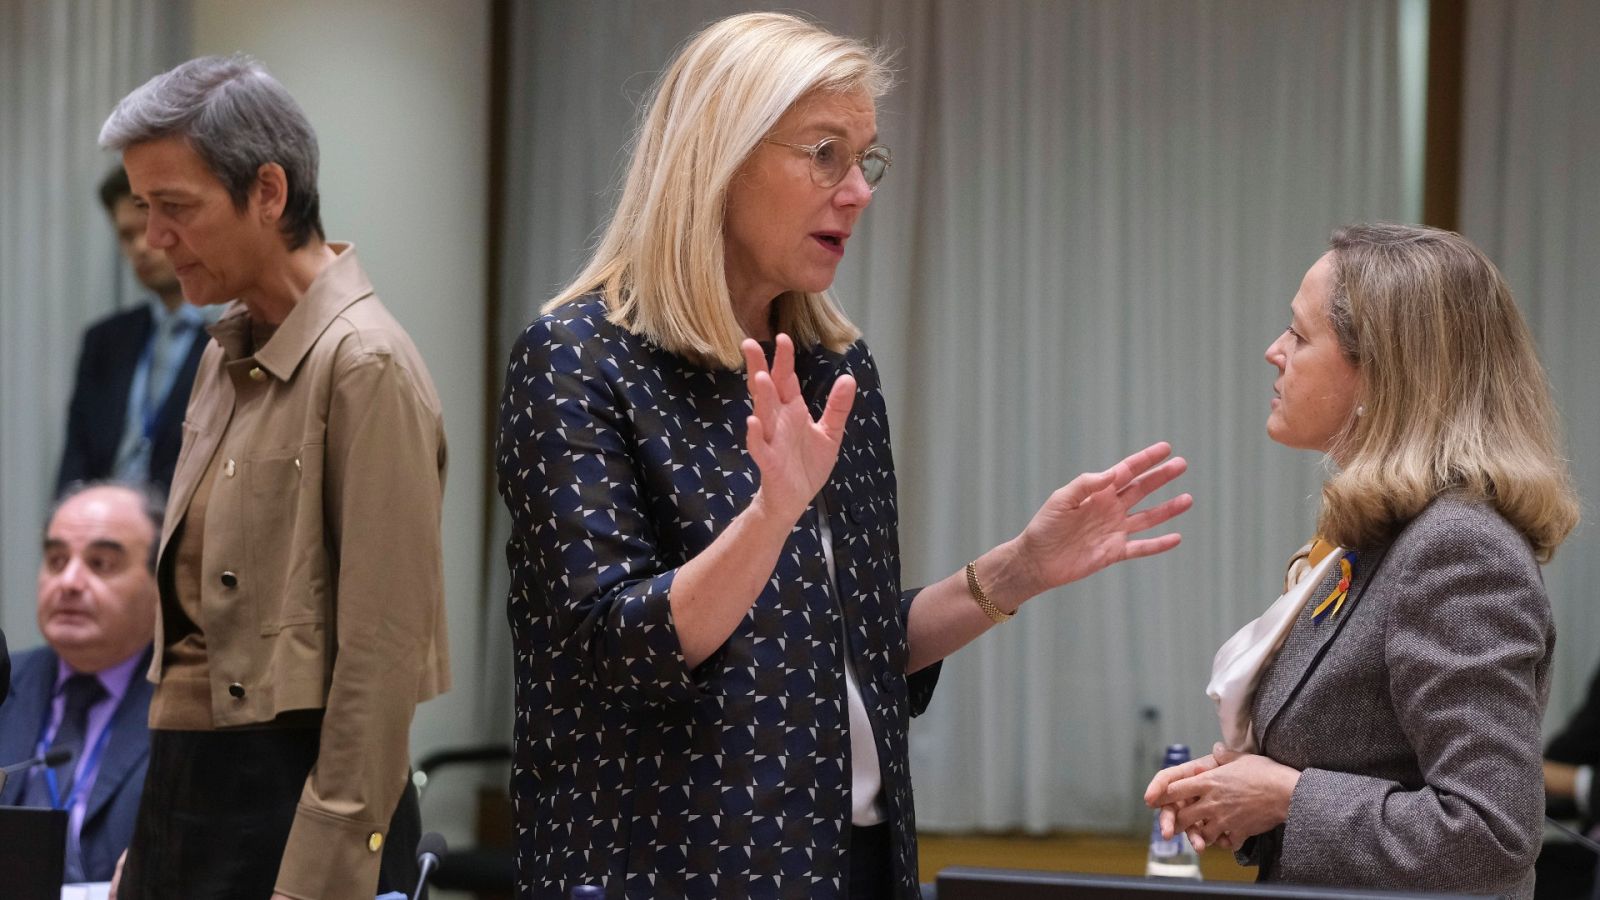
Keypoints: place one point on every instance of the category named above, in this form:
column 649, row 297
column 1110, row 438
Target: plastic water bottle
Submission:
column 1173, row 858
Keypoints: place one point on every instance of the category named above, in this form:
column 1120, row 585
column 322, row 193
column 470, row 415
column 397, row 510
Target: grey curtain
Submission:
column 1097, row 215
column 1530, row 196
column 63, row 65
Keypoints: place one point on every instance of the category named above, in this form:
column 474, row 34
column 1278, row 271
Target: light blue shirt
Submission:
column 172, row 334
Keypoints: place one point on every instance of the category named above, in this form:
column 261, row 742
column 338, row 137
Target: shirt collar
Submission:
column 340, row 284
column 186, row 313
column 115, row 679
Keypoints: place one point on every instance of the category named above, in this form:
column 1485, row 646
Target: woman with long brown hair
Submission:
column 1381, row 720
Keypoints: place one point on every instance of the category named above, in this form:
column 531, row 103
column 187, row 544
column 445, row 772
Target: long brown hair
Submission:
column 1453, row 393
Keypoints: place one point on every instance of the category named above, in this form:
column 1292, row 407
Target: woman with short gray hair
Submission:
column 235, row 116
column 300, row 567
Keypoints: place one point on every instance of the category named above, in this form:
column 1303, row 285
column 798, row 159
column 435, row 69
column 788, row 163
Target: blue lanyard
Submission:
column 150, row 411
column 90, row 763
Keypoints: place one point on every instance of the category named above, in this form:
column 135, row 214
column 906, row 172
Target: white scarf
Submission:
column 1237, row 667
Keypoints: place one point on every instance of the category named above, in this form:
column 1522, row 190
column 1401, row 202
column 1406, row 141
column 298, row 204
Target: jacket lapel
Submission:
column 125, row 358
column 128, row 745
column 192, row 464
column 1290, row 672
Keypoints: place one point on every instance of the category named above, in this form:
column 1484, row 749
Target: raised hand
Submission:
column 1087, row 525
column 713, row 591
column 794, row 452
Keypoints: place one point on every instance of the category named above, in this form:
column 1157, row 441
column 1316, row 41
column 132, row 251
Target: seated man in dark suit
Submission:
column 86, row 691
column 135, row 369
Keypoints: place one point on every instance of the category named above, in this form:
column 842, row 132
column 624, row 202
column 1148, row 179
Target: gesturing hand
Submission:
column 794, row 452
column 1085, row 526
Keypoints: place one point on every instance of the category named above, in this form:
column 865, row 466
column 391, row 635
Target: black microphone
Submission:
column 429, row 850
column 51, row 758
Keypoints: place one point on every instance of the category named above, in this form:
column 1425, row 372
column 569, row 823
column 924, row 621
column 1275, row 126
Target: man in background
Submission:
column 135, row 368
column 85, row 690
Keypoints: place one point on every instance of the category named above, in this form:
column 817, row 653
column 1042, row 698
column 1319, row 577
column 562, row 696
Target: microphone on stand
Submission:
column 50, row 759
column 429, row 851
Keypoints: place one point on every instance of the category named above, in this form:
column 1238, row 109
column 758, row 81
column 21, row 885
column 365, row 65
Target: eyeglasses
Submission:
column 831, row 161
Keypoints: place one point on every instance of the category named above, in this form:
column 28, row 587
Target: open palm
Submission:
column 1089, row 524
column 794, row 452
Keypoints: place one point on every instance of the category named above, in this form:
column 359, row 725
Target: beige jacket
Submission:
column 322, row 584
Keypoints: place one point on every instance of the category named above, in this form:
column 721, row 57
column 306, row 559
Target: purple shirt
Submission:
column 115, row 681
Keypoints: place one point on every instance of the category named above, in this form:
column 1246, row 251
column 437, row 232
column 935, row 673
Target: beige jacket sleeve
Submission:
column 384, row 482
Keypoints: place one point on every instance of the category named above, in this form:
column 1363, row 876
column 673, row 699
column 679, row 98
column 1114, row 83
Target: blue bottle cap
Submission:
column 1177, row 754
column 587, row 892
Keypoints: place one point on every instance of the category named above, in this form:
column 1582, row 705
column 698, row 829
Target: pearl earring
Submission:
column 1361, row 410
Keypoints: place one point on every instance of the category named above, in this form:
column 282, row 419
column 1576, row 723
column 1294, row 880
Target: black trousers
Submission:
column 871, row 862
column 217, row 810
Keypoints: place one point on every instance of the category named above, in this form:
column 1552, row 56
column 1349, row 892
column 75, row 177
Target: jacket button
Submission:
column 257, row 375
column 230, row 580
column 375, row 842
column 228, row 468
column 236, row 690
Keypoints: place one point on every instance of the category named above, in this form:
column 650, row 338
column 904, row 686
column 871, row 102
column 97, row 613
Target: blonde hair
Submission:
column 1455, row 398
column 659, row 263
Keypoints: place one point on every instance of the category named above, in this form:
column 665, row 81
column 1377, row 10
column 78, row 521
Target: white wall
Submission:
column 398, row 93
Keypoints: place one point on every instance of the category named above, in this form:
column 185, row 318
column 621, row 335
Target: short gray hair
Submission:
column 237, row 117
column 152, row 500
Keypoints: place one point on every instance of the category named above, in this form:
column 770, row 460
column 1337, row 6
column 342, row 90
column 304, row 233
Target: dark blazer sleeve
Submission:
column 919, row 684
column 99, row 406
column 1467, row 647
column 1578, row 743
column 5, row 668
column 76, row 462
column 580, row 526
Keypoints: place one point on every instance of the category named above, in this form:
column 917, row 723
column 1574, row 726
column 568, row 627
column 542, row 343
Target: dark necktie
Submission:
column 82, row 691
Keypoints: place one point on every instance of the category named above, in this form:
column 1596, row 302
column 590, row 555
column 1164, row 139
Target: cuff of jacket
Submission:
column 643, row 660
column 330, row 857
column 920, row 685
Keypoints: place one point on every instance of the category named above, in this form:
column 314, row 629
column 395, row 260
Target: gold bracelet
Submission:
column 995, row 614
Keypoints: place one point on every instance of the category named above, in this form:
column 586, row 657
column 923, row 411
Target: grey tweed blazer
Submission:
column 1415, row 720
